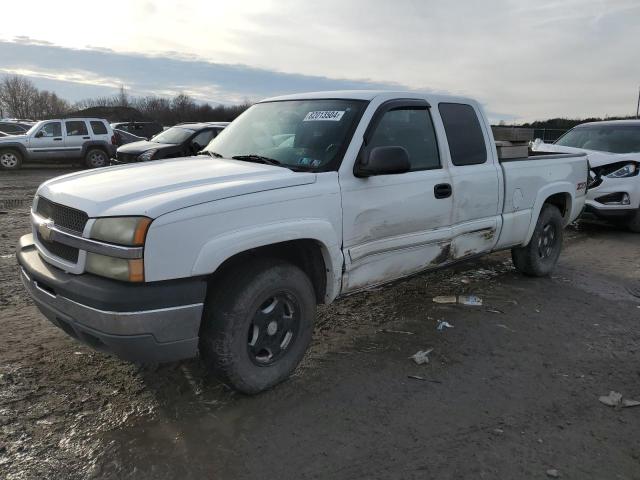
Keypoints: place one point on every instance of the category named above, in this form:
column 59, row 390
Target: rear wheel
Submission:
column 96, row 158
column 257, row 324
column 539, row 257
column 634, row 223
column 10, row 159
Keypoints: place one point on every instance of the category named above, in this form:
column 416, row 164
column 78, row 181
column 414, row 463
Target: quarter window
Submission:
column 411, row 128
column 76, row 128
column 98, row 128
column 464, row 134
column 53, row 129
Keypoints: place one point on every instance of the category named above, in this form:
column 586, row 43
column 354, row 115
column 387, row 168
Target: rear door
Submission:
column 76, row 135
column 47, row 142
column 475, row 180
column 396, row 225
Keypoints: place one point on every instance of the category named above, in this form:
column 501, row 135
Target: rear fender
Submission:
column 544, row 194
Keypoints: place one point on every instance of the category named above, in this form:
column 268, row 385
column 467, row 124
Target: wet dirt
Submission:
column 511, row 391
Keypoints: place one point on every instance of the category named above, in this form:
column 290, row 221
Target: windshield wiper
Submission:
column 210, row 153
column 257, row 159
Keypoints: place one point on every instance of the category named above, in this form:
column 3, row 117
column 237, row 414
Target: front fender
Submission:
column 221, row 248
column 16, row 146
column 547, row 191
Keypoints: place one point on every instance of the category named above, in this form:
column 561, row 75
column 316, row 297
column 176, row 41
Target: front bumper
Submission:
column 598, row 205
column 152, row 322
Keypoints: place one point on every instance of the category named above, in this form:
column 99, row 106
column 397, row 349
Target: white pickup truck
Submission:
column 302, row 199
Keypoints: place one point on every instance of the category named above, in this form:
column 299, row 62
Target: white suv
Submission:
column 90, row 140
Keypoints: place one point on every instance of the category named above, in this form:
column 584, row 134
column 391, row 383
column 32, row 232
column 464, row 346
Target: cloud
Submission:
column 526, row 59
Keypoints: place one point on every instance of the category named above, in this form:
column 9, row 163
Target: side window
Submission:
column 412, row 129
column 98, row 128
column 52, row 129
column 76, row 128
column 464, row 134
column 203, row 138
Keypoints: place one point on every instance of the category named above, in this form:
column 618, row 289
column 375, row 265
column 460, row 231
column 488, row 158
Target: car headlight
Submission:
column 148, row 155
column 116, row 268
column 126, row 231
column 129, row 231
column 629, row 170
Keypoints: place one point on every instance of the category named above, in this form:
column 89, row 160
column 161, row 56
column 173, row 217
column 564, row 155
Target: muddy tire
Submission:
column 10, row 160
column 539, row 257
column 634, row 223
column 96, row 158
column 257, row 324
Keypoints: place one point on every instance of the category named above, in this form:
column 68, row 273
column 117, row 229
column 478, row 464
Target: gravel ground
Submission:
column 511, row 390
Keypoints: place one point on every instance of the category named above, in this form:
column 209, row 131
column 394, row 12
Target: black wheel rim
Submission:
column 273, row 329
column 547, row 241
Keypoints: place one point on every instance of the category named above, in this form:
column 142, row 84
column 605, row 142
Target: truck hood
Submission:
column 596, row 158
column 159, row 187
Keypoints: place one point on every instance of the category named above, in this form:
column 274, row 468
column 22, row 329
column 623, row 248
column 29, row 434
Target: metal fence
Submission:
column 548, row 135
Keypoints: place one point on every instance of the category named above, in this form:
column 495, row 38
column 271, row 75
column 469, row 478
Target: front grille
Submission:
column 62, row 216
column 127, row 157
column 66, row 252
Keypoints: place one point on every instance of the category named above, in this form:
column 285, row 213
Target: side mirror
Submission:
column 40, row 134
column 383, row 161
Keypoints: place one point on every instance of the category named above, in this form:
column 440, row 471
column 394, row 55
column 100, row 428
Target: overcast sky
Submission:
column 523, row 60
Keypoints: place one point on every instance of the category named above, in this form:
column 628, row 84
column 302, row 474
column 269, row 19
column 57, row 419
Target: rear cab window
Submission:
column 98, row 127
column 464, row 134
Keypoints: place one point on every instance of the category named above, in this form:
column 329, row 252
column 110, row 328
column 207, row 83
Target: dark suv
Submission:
column 140, row 129
column 182, row 140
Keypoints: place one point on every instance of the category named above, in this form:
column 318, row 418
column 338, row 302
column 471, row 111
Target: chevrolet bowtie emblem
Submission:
column 45, row 229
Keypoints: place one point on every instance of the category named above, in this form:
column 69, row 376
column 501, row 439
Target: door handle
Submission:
column 86, row 138
column 442, row 190
column 57, row 139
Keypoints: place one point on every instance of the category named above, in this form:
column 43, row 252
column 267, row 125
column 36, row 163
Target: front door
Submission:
column 47, row 142
column 399, row 224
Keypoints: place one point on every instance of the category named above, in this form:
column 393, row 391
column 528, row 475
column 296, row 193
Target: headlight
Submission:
column 629, row 170
column 148, row 155
column 130, row 231
column 116, row 268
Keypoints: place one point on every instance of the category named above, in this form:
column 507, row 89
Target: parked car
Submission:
column 122, row 137
column 230, row 257
column 613, row 148
column 89, row 140
column 2, row 134
column 146, row 130
column 179, row 141
column 14, row 128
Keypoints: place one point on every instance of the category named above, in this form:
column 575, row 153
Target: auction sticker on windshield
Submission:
column 330, row 115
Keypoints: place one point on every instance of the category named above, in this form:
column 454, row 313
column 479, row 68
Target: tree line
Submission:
column 19, row 98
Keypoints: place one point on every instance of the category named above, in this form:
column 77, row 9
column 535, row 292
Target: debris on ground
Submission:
column 614, row 399
column 421, row 356
column 403, row 332
column 493, row 310
column 417, row 377
column 506, row 327
column 553, row 473
column 445, row 299
column 442, row 325
column 470, row 300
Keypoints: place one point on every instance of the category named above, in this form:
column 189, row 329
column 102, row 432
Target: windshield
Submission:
column 173, row 135
column 299, row 134
column 604, row 138
column 34, row 127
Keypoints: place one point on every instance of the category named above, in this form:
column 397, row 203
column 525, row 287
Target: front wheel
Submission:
column 10, row 160
column 634, row 223
column 539, row 257
column 257, row 324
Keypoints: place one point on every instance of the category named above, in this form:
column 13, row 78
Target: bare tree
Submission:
column 17, row 96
